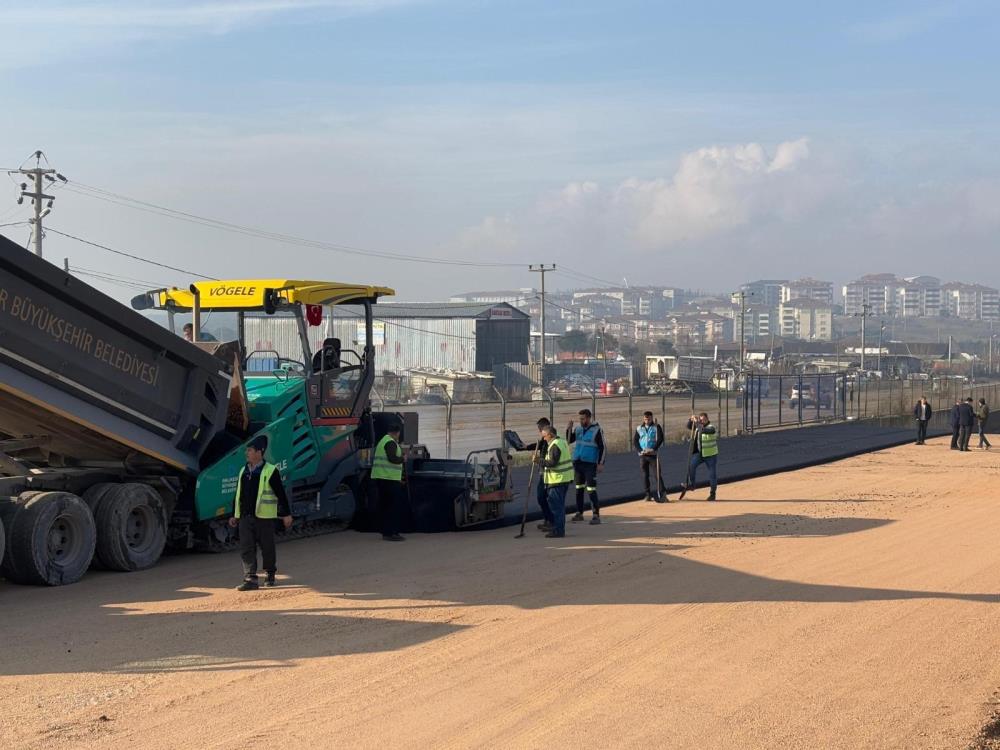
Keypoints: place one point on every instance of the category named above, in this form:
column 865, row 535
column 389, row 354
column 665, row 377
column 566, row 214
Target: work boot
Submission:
column 269, row 580
column 250, row 584
column 648, row 498
column 711, row 496
column 393, row 538
column 546, row 526
column 595, row 520
column 662, row 498
column 554, row 535
column 577, row 517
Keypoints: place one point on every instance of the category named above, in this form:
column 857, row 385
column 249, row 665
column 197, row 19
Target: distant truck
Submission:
column 806, row 394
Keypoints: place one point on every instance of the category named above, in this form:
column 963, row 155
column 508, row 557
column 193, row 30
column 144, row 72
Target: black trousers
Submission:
column 257, row 532
column 964, row 433
column 389, row 495
column 585, row 474
column 954, row 436
column 648, row 464
column 921, row 430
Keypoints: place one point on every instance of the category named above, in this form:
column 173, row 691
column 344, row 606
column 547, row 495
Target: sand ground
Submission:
column 851, row 605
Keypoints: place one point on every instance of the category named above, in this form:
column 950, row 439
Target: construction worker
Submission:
column 588, row 461
column 388, row 478
column 705, row 450
column 540, row 448
column 982, row 417
column 966, row 421
column 260, row 499
column 647, row 441
column 557, row 474
column 954, row 421
column 922, row 412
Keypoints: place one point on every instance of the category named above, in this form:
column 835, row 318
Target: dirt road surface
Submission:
column 853, row 605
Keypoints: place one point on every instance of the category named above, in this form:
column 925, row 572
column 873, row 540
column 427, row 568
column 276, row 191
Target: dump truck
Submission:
column 120, row 439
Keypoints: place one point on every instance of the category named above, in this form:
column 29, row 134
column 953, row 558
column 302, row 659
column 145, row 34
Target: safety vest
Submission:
column 585, row 444
column 267, row 501
column 382, row 467
column 708, row 442
column 562, row 472
column 647, row 437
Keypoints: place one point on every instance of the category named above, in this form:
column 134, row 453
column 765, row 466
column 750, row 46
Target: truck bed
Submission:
column 99, row 380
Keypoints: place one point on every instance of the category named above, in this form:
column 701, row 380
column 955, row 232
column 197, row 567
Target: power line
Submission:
column 132, row 256
column 134, row 203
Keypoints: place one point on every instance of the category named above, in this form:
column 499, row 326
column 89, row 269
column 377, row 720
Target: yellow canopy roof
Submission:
column 249, row 294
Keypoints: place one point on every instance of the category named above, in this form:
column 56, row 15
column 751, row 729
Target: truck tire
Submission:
column 93, row 497
column 131, row 527
column 51, row 539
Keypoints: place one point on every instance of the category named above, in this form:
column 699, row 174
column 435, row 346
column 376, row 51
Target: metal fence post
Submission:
column 819, row 395
column 552, row 406
column 378, row 395
column 447, row 420
column 781, row 398
column 629, row 392
column 503, row 414
column 798, row 401
column 663, row 407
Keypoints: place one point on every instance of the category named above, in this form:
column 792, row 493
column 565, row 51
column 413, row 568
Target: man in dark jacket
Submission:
column 982, row 417
column 955, row 423
column 922, row 413
column 260, row 500
column 966, row 421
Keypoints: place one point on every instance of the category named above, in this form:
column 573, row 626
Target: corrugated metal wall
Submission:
column 401, row 344
column 404, row 343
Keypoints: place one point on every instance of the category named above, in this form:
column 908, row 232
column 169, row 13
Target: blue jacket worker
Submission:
column 587, row 441
column 647, row 442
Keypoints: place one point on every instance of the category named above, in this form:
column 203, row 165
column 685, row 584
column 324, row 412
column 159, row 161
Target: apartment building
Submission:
column 821, row 291
column 806, row 319
column 878, row 290
column 971, row 301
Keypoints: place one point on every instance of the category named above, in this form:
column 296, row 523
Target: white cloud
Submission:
column 715, row 190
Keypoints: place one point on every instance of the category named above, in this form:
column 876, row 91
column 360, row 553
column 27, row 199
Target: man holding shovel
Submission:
column 647, row 441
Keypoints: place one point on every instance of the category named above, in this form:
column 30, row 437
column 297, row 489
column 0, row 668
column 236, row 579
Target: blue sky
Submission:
column 689, row 144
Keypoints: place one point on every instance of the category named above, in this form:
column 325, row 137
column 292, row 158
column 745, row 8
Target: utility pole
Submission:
column 865, row 314
column 881, row 330
column 740, row 297
column 542, row 269
column 37, row 195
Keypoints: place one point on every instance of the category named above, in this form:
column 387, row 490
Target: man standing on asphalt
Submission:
column 260, row 500
column 922, row 413
column 954, row 422
column 557, row 474
column 966, row 421
column 387, row 475
column 540, row 448
column 588, row 461
column 647, row 441
column 982, row 417
column 704, row 451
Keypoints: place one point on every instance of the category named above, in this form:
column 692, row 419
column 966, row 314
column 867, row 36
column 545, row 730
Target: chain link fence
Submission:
column 456, row 419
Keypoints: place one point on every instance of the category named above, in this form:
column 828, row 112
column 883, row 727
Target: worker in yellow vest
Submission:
column 704, row 450
column 387, row 478
column 260, row 500
column 557, row 475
